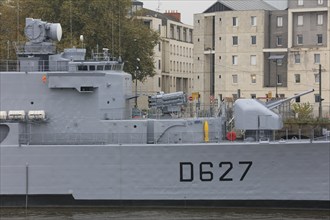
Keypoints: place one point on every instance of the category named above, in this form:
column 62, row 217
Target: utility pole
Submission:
column 136, row 79
column 320, row 91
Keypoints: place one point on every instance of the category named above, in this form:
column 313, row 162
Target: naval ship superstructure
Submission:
column 67, row 138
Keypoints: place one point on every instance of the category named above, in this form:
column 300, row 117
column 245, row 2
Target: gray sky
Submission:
column 187, row 8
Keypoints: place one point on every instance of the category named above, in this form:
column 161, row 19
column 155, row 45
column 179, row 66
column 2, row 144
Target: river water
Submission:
column 159, row 214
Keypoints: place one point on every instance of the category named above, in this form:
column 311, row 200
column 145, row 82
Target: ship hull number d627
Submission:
column 207, row 169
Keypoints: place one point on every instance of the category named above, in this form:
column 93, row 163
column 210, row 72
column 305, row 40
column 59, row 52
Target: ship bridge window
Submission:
column 86, row 89
column 107, row 67
column 117, row 67
column 82, row 68
column 91, row 67
column 100, row 67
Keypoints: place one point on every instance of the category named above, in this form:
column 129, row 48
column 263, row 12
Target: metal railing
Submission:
column 114, row 138
column 166, row 138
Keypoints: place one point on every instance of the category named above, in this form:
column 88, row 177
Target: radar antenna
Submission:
column 40, row 37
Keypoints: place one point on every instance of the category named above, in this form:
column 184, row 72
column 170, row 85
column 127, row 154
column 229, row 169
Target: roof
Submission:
column 155, row 14
column 136, row 2
column 243, row 5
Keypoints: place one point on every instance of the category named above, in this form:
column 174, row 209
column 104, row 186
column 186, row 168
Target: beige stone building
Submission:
column 251, row 49
column 173, row 55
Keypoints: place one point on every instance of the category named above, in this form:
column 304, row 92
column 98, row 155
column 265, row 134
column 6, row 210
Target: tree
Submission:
column 303, row 111
column 8, row 29
column 135, row 49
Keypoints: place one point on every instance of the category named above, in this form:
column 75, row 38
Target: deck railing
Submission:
column 166, row 138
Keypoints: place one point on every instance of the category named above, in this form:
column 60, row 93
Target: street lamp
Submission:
column 276, row 59
column 8, row 44
column 320, row 89
column 136, row 74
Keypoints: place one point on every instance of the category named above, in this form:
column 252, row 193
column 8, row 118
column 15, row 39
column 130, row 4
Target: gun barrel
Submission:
column 277, row 103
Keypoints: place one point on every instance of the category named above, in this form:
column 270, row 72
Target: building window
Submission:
column 178, row 33
column 297, row 58
column 279, row 81
column 280, row 21
column 320, row 2
column 300, row 2
column 300, row 20
column 172, row 32
column 235, row 21
column 320, row 19
column 279, row 40
column 235, row 40
column 279, row 62
column 185, row 35
column 316, row 78
column 319, row 38
column 235, row 80
column 254, row 21
column 253, row 60
column 300, row 39
column 234, row 60
column 159, row 47
column 253, row 40
column 253, row 96
column 317, row 58
column 253, row 78
column 317, row 97
column 297, row 78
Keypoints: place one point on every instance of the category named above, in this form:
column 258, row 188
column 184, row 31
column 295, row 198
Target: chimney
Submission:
column 174, row 14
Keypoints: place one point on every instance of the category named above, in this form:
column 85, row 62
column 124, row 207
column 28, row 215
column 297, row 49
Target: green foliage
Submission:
column 136, row 49
column 303, row 111
column 103, row 23
column 8, row 29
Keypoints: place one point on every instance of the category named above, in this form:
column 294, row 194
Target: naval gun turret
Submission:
column 253, row 116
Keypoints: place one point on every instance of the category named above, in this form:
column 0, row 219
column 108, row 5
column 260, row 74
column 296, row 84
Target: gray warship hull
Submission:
column 67, row 138
column 256, row 174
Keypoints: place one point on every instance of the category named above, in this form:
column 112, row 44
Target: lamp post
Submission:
column 211, row 82
column 136, row 72
column 320, row 88
column 8, row 44
column 276, row 59
column 276, row 90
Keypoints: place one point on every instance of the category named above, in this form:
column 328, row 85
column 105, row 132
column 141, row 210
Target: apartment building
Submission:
column 308, row 50
column 251, row 49
column 229, row 41
column 173, row 55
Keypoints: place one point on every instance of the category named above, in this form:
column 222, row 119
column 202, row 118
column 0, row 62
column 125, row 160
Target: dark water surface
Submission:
column 159, row 213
